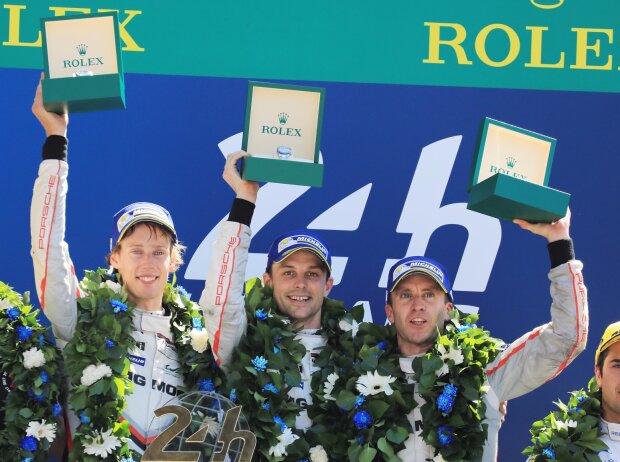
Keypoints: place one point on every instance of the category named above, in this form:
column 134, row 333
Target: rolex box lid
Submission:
column 83, row 63
column 282, row 134
column 512, row 151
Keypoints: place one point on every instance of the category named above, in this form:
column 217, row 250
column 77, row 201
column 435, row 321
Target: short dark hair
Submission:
column 176, row 248
column 601, row 360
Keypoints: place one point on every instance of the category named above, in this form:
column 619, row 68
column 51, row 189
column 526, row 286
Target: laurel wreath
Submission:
column 451, row 379
column 265, row 368
column 569, row 433
column 351, row 424
column 103, row 337
column 37, row 392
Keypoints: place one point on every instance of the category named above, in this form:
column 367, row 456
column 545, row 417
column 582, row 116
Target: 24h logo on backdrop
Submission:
column 429, row 182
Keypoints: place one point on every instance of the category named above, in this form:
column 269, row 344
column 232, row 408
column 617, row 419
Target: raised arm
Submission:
column 57, row 286
column 543, row 353
column 222, row 298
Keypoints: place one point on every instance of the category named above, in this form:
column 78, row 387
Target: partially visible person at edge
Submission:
column 419, row 297
column 299, row 274
column 144, row 251
column 607, row 372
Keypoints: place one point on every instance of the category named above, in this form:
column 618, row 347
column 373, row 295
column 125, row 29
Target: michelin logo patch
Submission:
column 137, row 360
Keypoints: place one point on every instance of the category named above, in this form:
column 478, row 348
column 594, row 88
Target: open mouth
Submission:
column 417, row 321
column 297, row 298
column 147, row 279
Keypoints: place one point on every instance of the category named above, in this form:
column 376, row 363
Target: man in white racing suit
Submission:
column 148, row 254
column 298, row 270
column 607, row 372
column 420, row 297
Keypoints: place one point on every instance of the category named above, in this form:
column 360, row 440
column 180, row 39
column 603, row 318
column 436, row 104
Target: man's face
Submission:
column 419, row 307
column 299, row 285
column 144, row 262
column 608, row 380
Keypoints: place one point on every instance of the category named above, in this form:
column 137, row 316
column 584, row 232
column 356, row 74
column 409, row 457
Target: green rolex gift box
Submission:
column 282, row 134
column 83, row 65
column 510, row 174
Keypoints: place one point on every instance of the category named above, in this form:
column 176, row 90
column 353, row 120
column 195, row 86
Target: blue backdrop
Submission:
column 164, row 149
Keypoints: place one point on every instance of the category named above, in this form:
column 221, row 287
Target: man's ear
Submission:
column 114, row 259
column 267, row 279
column 329, row 284
column 389, row 312
column 598, row 374
column 449, row 307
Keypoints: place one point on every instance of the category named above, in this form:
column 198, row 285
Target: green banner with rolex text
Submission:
column 530, row 44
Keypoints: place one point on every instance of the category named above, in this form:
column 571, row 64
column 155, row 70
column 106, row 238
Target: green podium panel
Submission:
column 282, row 171
column 81, row 94
column 506, row 197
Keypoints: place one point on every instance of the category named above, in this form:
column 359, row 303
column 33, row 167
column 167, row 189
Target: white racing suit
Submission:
column 529, row 362
column 154, row 363
column 224, row 304
column 610, row 435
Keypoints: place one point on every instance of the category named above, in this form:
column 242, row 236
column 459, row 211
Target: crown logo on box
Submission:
column 511, row 161
column 282, row 117
column 81, row 48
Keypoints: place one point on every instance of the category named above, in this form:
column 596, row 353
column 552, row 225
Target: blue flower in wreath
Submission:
column 118, row 306
column 361, row 439
column 446, row 435
column 197, row 323
column 27, row 459
column 359, row 401
column 183, row 292
column 382, row 345
column 450, row 390
column 266, row 406
column 44, row 377
column 28, row 443
column 56, row 410
column 574, row 409
column 583, row 399
column 362, row 419
column 272, row 388
column 465, row 327
column 549, row 453
column 37, row 397
column 445, row 403
column 280, row 422
column 84, row 418
column 206, row 385
column 13, row 313
column 23, row 333
column 259, row 363
column 276, row 349
column 303, row 460
column 260, row 314
column 233, row 394
column 109, row 343
column 127, row 459
column 41, row 340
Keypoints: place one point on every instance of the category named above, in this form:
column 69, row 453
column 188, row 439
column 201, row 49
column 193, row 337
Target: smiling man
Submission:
column 144, row 251
column 419, row 298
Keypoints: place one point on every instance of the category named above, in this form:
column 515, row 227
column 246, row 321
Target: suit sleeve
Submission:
column 56, row 283
column 543, row 353
column 222, row 299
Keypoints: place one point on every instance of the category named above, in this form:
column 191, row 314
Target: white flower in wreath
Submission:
column 447, row 354
column 41, row 430
column 199, row 339
column 114, row 286
column 318, row 454
column 374, row 383
column 439, row 458
column 102, row 444
column 347, row 326
column 33, row 358
column 5, row 304
column 328, row 386
column 287, row 437
column 93, row 373
column 565, row 425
